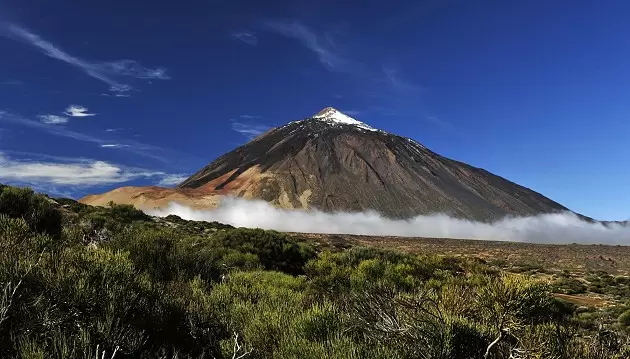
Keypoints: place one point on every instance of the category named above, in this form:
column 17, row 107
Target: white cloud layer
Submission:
column 78, row 111
column 53, row 119
column 72, row 173
column 548, row 228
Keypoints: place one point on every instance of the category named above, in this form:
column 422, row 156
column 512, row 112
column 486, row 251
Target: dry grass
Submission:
column 583, row 300
column 574, row 258
column 550, row 262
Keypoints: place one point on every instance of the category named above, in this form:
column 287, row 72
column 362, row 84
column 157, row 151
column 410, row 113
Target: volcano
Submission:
column 334, row 163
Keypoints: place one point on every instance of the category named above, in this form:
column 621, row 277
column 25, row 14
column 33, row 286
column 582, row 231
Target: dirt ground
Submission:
column 575, row 258
column 544, row 261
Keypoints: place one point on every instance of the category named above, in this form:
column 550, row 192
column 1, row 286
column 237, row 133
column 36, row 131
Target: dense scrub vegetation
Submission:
column 86, row 282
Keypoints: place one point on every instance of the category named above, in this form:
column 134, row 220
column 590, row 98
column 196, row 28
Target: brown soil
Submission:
column 582, row 300
column 548, row 257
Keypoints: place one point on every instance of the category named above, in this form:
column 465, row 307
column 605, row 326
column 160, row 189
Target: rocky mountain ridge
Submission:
column 333, row 162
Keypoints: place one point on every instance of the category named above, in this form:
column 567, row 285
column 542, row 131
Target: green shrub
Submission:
column 73, row 205
column 365, row 269
column 624, row 318
column 464, row 339
column 127, row 213
column 114, row 218
column 276, row 251
column 319, row 323
column 517, row 299
column 37, row 210
column 152, row 251
column 260, row 305
column 174, row 288
column 569, row 286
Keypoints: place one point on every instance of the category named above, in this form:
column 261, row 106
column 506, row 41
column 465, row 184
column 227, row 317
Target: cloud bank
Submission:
column 75, row 172
column 548, row 228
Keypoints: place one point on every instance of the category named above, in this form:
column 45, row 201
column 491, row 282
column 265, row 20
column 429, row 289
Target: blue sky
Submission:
column 96, row 95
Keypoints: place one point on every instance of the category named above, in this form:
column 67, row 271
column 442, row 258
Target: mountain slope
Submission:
column 335, row 163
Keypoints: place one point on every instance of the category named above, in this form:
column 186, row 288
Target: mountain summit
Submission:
column 333, row 116
column 333, row 162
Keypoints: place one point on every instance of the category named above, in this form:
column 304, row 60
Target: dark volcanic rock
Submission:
column 334, row 163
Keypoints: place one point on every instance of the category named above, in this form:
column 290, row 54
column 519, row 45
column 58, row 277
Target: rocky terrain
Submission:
column 332, row 162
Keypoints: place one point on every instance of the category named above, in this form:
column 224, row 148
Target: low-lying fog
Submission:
column 547, row 228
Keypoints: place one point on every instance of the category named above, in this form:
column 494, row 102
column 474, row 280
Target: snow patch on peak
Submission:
column 415, row 143
column 333, row 116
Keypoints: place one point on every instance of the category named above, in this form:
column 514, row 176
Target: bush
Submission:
column 152, row 251
column 366, row 269
column 127, row 213
column 113, row 218
column 174, row 288
column 37, row 210
column 569, row 286
column 276, row 251
column 624, row 318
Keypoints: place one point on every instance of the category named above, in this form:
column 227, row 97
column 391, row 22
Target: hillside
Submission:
column 332, row 162
column 78, row 280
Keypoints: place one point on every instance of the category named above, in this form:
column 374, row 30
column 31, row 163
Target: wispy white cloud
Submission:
column 78, row 111
column 120, row 90
column 172, row 180
column 113, row 145
column 12, row 83
column 332, row 58
column 246, row 37
column 134, row 69
column 249, row 129
column 438, row 121
column 107, row 72
column 385, row 83
column 393, row 78
column 136, row 147
column 322, row 46
column 53, row 119
column 118, row 129
column 40, row 157
column 59, row 131
column 72, row 111
column 79, row 172
column 249, row 117
column 352, row 112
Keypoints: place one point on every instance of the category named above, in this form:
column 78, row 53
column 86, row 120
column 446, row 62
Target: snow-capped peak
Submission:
column 333, row 116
